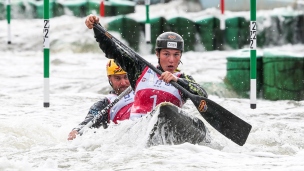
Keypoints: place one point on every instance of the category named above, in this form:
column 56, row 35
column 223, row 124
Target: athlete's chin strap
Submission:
column 112, row 85
column 159, row 66
column 110, row 81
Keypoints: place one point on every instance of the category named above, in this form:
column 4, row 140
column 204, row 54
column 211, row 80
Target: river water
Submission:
column 35, row 138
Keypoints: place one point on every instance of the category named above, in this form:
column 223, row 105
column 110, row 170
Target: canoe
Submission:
column 175, row 126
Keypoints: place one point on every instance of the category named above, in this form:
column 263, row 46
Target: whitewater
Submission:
column 34, row 138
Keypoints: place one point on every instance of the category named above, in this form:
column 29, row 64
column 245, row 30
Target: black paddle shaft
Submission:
column 104, row 111
column 218, row 117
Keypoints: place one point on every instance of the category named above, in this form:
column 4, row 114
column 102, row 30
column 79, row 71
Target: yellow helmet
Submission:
column 113, row 68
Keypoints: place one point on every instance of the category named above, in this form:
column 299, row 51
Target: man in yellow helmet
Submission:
column 118, row 78
column 119, row 81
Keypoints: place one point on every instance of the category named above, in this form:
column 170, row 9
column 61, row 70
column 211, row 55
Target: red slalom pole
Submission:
column 222, row 18
column 222, row 6
column 102, row 8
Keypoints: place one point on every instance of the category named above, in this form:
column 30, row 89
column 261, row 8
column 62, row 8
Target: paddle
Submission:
column 105, row 110
column 218, row 117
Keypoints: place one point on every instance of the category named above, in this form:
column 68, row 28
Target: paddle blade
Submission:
column 222, row 120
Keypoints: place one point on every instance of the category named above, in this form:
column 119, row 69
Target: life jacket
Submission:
column 151, row 91
column 121, row 110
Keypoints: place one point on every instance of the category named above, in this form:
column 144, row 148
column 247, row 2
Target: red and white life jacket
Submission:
column 121, row 110
column 151, row 91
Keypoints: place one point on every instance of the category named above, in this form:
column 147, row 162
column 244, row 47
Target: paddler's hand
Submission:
column 72, row 135
column 168, row 76
column 90, row 20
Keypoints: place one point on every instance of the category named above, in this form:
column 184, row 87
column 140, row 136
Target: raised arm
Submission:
column 129, row 64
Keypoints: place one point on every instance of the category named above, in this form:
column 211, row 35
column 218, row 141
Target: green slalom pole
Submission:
column 46, row 53
column 253, row 45
column 147, row 24
column 8, row 17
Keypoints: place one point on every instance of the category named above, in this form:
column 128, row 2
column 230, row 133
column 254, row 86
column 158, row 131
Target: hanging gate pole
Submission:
column 46, row 52
column 222, row 21
column 253, row 45
column 102, row 8
column 147, row 25
column 8, row 17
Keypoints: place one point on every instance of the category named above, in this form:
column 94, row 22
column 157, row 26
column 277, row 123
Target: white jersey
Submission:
column 121, row 110
column 151, row 91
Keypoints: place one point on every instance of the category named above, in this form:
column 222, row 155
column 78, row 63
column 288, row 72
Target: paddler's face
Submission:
column 120, row 82
column 169, row 59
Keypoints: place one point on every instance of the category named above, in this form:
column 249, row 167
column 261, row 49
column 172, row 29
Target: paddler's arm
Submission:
column 187, row 82
column 129, row 64
column 98, row 106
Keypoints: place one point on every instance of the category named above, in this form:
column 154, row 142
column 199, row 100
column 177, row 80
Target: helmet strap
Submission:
column 110, row 81
column 180, row 61
column 158, row 57
column 111, row 84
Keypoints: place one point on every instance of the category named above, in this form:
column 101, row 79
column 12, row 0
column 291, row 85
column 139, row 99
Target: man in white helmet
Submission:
column 119, row 81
